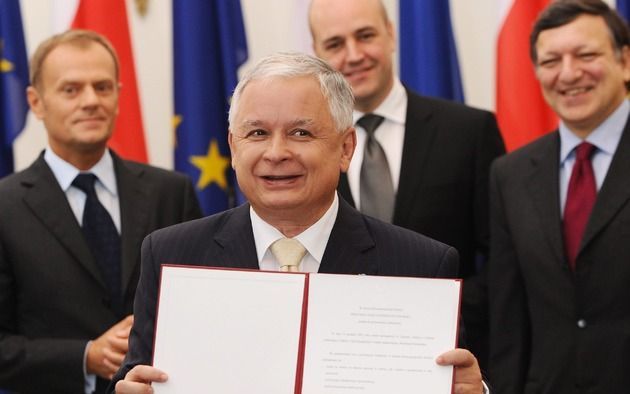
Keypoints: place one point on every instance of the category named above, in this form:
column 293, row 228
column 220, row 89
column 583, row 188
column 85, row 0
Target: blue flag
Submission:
column 209, row 46
column 623, row 7
column 428, row 56
column 13, row 81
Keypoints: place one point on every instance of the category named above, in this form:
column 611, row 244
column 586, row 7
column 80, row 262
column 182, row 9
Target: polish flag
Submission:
column 521, row 110
column 109, row 18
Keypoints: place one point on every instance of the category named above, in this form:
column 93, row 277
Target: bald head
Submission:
column 316, row 6
column 357, row 39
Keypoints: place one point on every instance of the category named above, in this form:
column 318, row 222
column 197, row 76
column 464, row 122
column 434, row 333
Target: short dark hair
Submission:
column 562, row 12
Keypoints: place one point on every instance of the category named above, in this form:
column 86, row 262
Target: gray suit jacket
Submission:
column 552, row 330
column 357, row 245
column 52, row 296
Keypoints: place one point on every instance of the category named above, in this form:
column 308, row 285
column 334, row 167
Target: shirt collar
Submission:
column 66, row 172
column 605, row 137
column 314, row 238
column 393, row 108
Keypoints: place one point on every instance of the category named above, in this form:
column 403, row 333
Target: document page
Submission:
column 377, row 335
column 228, row 331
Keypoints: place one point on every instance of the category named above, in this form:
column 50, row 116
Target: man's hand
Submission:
column 467, row 372
column 106, row 353
column 139, row 379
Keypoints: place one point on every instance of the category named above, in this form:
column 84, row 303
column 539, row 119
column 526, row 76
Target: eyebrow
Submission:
column 294, row 123
column 81, row 81
column 362, row 30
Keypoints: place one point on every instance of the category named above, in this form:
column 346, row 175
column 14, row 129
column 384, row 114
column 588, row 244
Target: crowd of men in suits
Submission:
column 539, row 232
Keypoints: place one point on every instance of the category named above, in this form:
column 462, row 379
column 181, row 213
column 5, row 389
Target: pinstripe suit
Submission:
column 357, row 245
column 553, row 330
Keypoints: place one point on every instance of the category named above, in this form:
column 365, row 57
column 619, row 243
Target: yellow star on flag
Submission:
column 5, row 65
column 212, row 167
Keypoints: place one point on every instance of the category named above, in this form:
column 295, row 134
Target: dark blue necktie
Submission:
column 102, row 238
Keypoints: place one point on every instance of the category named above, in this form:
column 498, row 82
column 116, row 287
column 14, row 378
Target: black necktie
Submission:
column 377, row 189
column 102, row 238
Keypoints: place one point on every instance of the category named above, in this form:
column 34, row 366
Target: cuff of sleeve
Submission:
column 486, row 390
column 90, row 379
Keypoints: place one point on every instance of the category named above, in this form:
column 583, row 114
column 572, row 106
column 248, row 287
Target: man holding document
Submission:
column 291, row 135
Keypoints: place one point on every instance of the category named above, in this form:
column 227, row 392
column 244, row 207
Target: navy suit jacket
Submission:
column 53, row 298
column 552, row 330
column 357, row 245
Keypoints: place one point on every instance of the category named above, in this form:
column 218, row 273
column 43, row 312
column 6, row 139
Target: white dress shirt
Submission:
column 390, row 134
column 314, row 239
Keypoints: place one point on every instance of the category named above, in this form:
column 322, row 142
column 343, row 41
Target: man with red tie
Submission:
column 559, row 269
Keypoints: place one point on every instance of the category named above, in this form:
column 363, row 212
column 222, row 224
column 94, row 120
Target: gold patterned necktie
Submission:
column 289, row 253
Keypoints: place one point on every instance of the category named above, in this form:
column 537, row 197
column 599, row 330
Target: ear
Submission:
column 625, row 63
column 349, row 142
column 392, row 34
column 233, row 161
column 35, row 101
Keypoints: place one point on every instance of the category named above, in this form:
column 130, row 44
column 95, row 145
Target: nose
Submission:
column 89, row 98
column 278, row 148
column 570, row 70
column 354, row 52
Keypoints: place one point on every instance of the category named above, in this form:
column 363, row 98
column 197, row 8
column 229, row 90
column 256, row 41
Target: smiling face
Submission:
column 356, row 38
column 581, row 75
column 286, row 151
column 77, row 99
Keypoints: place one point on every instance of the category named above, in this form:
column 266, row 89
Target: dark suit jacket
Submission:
column 357, row 244
column 52, row 296
column 552, row 330
column 443, row 192
column 443, row 185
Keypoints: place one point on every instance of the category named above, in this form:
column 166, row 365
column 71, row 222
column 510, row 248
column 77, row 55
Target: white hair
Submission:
column 333, row 85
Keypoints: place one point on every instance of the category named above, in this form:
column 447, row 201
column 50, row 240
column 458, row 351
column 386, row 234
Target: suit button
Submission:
column 581, row 323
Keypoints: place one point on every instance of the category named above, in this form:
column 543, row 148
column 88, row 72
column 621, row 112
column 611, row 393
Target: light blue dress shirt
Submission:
column 605, row 137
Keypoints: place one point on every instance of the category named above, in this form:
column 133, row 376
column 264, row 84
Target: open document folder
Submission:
column 239, row 331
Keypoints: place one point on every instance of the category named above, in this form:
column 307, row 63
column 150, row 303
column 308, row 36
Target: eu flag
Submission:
column 13, row 81
column 428, row 56
column 623, row 7
column 209, row 46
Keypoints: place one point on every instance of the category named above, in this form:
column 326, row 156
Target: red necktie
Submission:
column 581, row 197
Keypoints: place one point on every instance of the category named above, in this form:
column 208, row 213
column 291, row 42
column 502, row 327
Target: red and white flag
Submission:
column 109, row 18
column 521, row 110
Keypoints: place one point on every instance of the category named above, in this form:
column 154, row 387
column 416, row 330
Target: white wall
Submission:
column 272, row 25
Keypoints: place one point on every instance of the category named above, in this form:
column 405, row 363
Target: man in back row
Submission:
column 71, row 226
column 560, row 263
column 420, row 163
column 290, row 135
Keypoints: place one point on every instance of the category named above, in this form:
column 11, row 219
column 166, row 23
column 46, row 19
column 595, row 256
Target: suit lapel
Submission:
column 236, row 238
column 348, row 242
column 614, row 193
column 419, row 135
column 344, row 189
column 543, row 186
column 133, row 196
column 49, row 203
